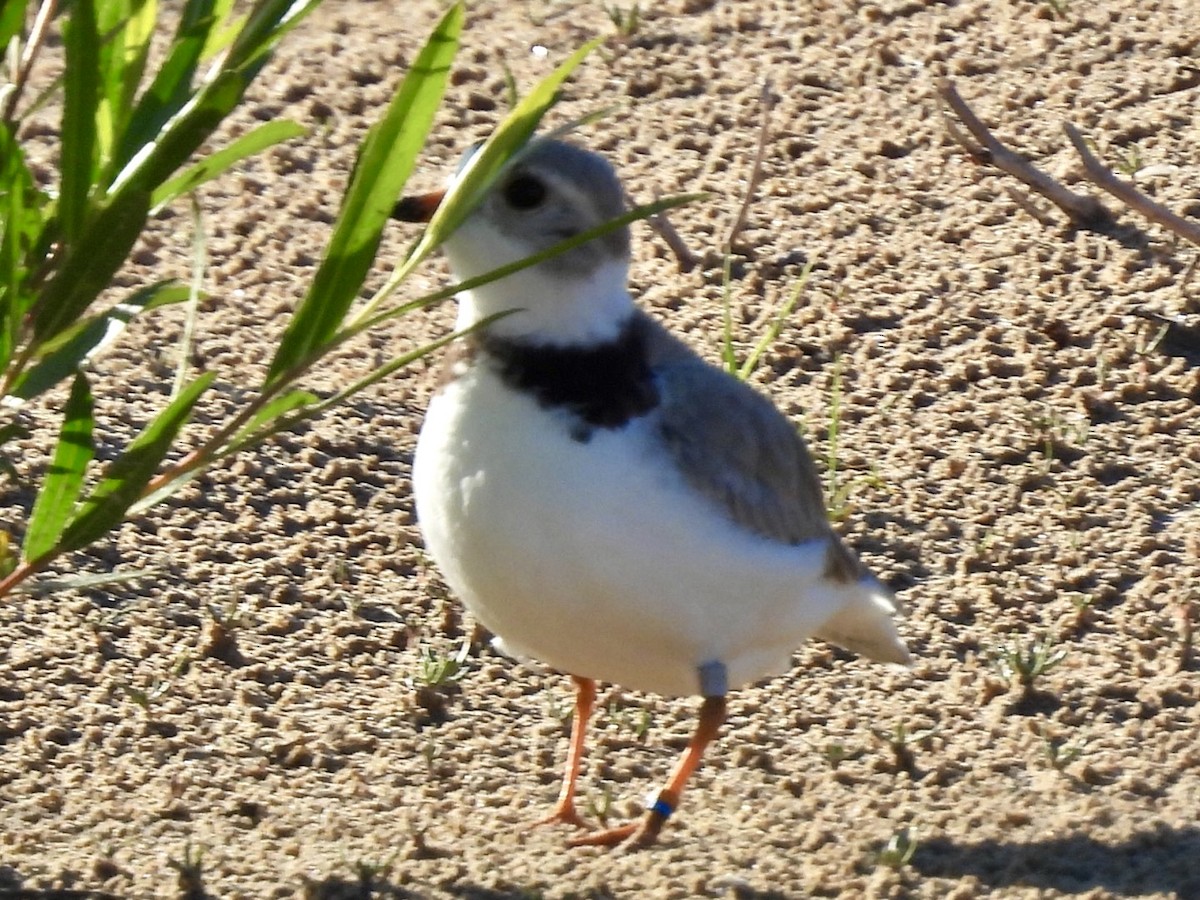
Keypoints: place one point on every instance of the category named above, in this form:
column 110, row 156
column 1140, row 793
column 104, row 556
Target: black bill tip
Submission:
column 417, row 207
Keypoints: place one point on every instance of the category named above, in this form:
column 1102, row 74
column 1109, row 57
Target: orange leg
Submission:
column 564, row 809
column 645, row 833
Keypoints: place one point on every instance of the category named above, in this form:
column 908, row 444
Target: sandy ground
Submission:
column 1018, row 455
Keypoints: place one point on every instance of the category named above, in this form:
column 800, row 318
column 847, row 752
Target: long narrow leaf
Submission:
column 90, row 338
column 105, row 507
column 64, row 480
column 640, row 212
column 12, row 20
column 264, row 428
column 493, row 157
column 172, row 84
column 80, row 98
column 20, row 225
column 480, row 173
column 91, row 263
column 159, row 159
column 384, row 164
column 219, row 162
column 127, row 27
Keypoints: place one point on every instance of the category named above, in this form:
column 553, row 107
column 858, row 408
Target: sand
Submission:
column 1017, row 454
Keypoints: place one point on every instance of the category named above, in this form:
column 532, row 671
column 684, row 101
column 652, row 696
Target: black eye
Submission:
column 524, row 192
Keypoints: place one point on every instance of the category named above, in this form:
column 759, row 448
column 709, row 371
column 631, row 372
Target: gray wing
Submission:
column 735, row 447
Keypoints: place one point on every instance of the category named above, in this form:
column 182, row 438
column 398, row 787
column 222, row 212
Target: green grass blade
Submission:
column 264, row 427
column 385, row 161
column 728, row 354
column 20, row 226
column 771, row 335
column 195, row 292
column 267, row 22
column 129, row 474
column 218, row 163
column 640, row 212
column 48, row 586
column 286, row 407
column 90, row 263
column 90, row 338
column 172, row 146
column 172, row 83
column 12, row 20
column 64, row 480
column 491, row 159
column 127, row 27
column 81, row 96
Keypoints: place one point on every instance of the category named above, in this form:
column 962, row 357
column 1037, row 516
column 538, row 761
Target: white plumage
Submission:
column 640, row 522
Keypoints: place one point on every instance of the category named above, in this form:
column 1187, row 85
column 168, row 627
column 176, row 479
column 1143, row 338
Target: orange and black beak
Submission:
column 417, row 207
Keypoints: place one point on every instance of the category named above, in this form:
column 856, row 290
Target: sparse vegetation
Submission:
column 901, row 741
column 189, row 872
column 1025, row 661
column 626, row 20
column 436, row 669
column 599, row 803
column 1060, row 753
column 899, row 849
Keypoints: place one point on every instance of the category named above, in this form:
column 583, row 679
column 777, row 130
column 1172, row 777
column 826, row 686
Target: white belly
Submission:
column 595, row 557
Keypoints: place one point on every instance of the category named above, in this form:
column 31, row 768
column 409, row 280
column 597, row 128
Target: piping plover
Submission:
column 605, row 501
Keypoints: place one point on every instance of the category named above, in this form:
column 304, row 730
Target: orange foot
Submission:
column 634, row 836
column 563, row 814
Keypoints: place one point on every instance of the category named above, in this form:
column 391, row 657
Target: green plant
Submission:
column 127, row 135
column 436, row 669
column 625, row 21
column 899, row 849
column 1061, row 753
column 189, row 872
column 901, row 741
column 145, row 699
column 836, row 753
column 368, row 873
column 753, row 360
column 1026, row 661
column 626, row 718
column 599, row 804
column 1132, row 161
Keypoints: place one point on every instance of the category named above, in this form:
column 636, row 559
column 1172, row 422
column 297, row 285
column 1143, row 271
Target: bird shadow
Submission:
column 1150, row 860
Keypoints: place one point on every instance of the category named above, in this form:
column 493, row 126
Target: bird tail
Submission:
column 865, row 624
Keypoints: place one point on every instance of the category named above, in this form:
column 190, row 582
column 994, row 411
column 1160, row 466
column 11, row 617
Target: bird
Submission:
column 605, row 501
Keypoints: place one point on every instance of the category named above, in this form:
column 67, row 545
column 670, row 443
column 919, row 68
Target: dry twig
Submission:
column 662, row 225
column 1083, row 209
column 1101, row 176
column 767, row 99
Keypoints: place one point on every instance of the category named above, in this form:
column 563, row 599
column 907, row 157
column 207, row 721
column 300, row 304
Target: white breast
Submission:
column 595, row 557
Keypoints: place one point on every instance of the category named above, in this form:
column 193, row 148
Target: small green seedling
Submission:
column 158, row 689
column 1026, row 662
column 899, row 849
column 436, row 669
column 1131, row 163
column 625, row 717
column 835, row 753
column 1061, row 753
column 901, row 741
column 189, row 871
column 599, row 804
column 369, row 872
column 626, row 21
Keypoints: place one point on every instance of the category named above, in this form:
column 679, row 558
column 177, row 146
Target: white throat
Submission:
column 552, row 308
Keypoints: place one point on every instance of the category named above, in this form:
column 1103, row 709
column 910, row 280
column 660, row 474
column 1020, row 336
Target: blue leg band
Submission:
column 661, row 807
